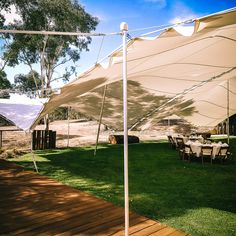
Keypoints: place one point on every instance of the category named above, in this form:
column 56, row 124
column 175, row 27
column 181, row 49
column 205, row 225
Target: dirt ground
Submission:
column 81, row 133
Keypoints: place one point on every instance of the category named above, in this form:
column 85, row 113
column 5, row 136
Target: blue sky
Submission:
column 141, row 14
column 138, row 14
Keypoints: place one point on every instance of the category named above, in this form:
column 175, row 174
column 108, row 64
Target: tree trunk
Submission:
column 119, row 139
column 46, row 122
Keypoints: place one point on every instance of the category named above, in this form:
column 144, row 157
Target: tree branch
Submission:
column 62, row 63
column 7, row 59
column 43, row 64
column 31, row 68
column 51, row 65
column 55, row 79
column 61, row 77
column 4, row 65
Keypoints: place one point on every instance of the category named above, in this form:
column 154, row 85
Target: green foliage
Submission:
column 4, row 94
column 26, row 83
column 49, row 51
column 199, row 200
column 4, row 82
column 4, row 5
column 4, row 85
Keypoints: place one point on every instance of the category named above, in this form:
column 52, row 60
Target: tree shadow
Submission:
column 161, row 186
column 141, row 103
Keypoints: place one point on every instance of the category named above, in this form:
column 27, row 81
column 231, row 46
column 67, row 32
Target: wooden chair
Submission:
column 171, row 142
column 223, row 154
column 187, row 152
column 180, row 146
column 206, row 151
column 179, row 143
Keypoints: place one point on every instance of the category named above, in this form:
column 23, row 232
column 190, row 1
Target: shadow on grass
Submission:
column 160, row 184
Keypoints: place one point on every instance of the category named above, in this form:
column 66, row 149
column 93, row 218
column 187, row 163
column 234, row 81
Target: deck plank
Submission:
column 32, row 204
column 142, row 224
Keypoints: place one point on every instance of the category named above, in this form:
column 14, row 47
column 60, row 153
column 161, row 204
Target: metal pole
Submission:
column 100, row 118
column 228, row 110
column 124, row 29
column 68, row 126
column 168, row 125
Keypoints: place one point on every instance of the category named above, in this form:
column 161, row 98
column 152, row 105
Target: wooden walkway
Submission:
column 31, row 204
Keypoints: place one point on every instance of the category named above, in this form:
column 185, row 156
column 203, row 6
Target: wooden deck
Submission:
column 31, row 204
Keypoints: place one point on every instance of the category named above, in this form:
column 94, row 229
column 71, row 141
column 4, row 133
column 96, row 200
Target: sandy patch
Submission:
column 80, row 133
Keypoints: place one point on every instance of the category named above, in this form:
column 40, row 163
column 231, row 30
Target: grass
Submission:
column 200, row 200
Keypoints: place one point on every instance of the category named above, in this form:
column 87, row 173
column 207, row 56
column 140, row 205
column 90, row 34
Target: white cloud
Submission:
column 10, row 15
column 181, row 13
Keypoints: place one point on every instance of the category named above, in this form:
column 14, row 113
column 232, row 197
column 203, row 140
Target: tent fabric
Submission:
column 167, row 74
column 21, row 110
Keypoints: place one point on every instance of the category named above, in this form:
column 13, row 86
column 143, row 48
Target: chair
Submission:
column 223, row 153
column 187, row 152
column 179, row 143
column 206, row 151
column 192, row 139
column 180, row 146
column 171, row 142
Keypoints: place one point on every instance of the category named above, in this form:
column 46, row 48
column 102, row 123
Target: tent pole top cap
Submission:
column 124, row 26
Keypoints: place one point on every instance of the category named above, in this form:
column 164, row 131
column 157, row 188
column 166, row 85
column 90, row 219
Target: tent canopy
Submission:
column 21, row 110
column 167, row 74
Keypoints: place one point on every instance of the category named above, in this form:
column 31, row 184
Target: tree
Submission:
column 4, row 82
column 4, row 85
column 50, row 52
column 26, row 83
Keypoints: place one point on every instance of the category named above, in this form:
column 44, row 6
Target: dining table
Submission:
column 196, row 147
column 193, row 138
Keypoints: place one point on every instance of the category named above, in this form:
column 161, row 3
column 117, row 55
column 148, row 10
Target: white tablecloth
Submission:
column 196, row 147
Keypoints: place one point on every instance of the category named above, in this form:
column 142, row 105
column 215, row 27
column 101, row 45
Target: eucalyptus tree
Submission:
column 5, row 85
column 4, row 82
column 50, row 53
column 28, row 84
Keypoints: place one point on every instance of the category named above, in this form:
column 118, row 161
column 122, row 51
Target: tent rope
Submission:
column 100, row 49
column 100, row 119
column 103, row 102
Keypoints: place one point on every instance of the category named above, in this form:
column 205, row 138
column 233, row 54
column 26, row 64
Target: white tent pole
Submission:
column 32, row 152
column 124, row 29
column 228, row 110
column 68, row 126
column 100, row 119
column 168, row 125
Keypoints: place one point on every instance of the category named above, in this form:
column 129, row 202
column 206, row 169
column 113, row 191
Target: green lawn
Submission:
column 200, row 200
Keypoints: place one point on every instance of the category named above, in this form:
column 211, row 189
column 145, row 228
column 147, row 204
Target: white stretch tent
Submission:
column 21, row 110
column 167, row 74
